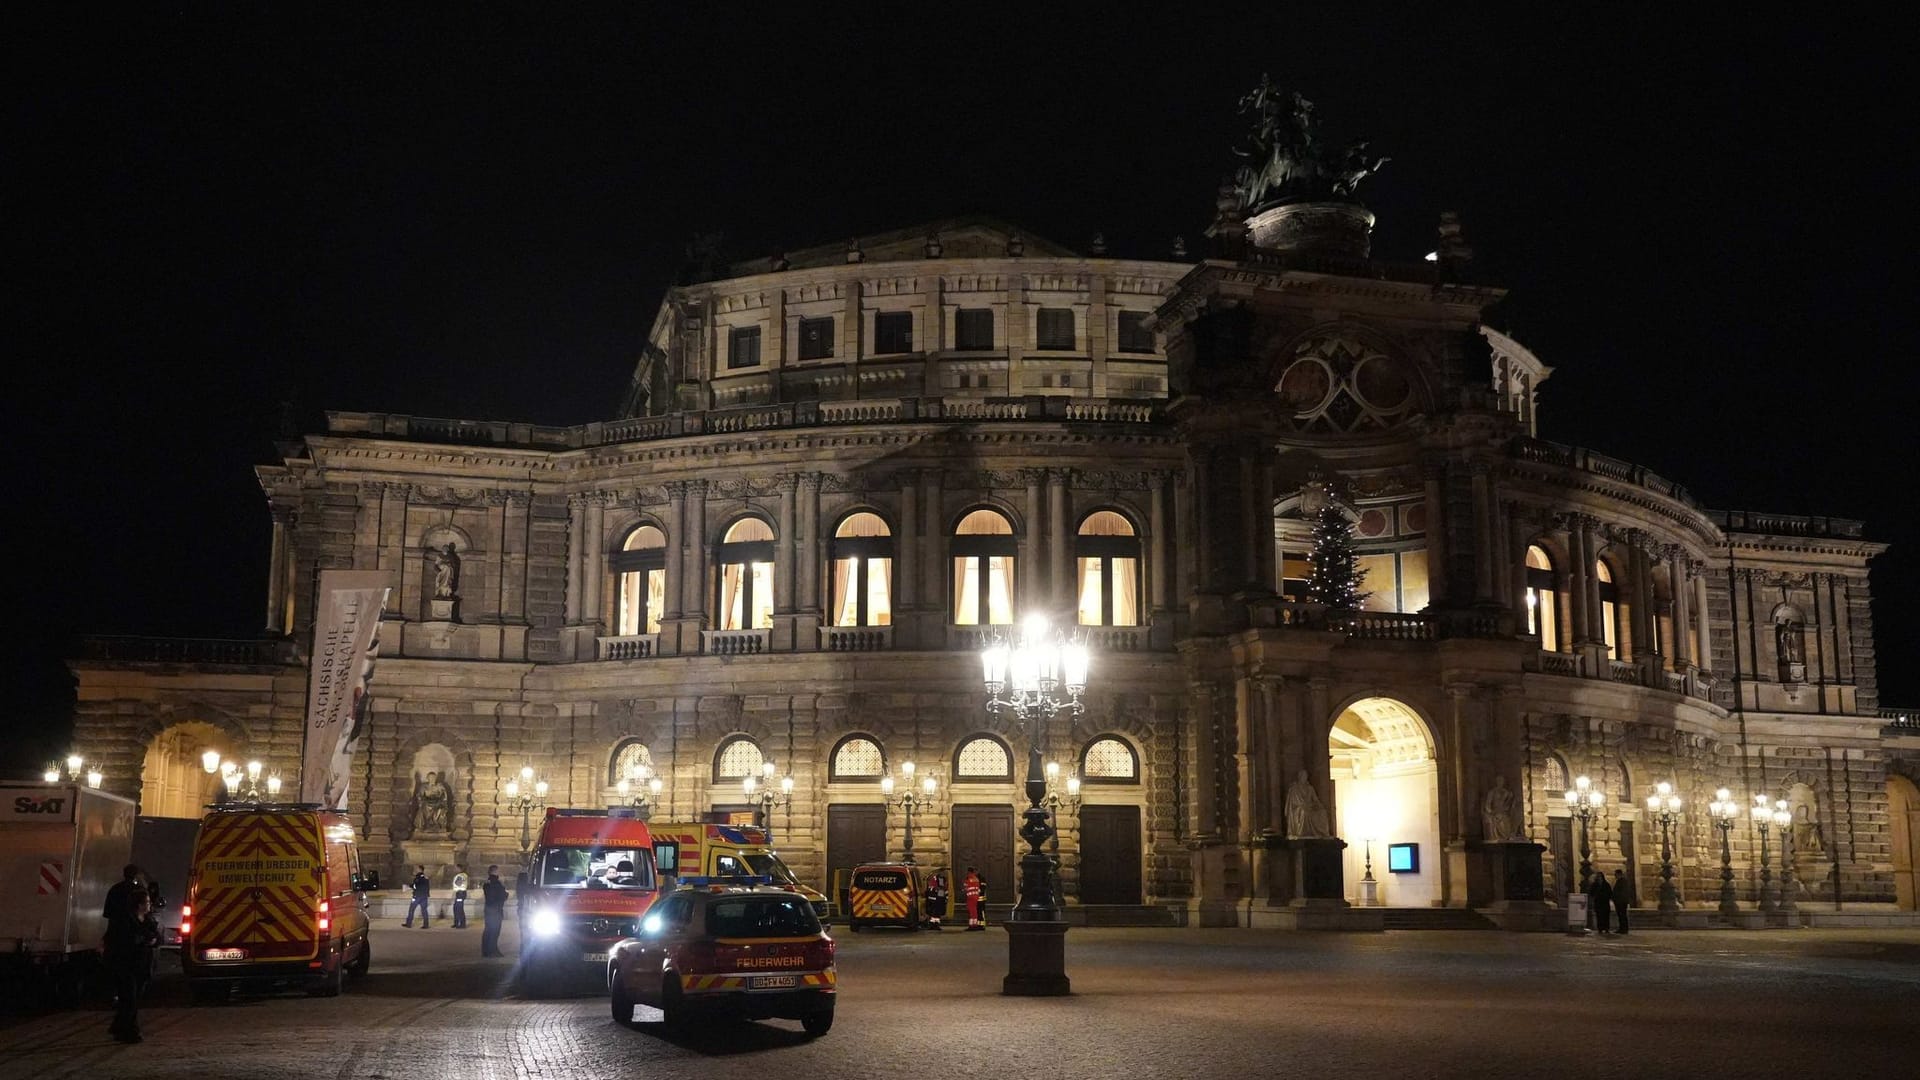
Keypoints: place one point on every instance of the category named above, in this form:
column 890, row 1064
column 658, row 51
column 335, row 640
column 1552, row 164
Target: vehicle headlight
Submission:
column 546, row 922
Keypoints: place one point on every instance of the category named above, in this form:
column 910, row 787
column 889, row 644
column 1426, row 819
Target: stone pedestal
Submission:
column 447, row 610
column 438, row 854
column 1341, row 229
column 1036, row 959
column 1505, row 883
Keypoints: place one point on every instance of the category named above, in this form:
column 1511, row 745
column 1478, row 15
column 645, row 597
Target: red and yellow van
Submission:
column 591, row 881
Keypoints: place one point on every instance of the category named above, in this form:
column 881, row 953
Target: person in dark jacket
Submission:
column 936, row 907
column 120, row 897
column 132, row 935
column 493, row 910
column 1622, row 898
column 1600, row 902
column 422, row 892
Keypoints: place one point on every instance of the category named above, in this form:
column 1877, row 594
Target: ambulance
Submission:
column 274, row 900
column 590, row 882
column 726, row 851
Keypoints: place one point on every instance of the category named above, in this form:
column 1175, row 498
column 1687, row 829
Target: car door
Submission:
column 652, row 945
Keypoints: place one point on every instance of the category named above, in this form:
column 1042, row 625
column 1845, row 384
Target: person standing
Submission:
column 460, row 898
column 974, row 889
column 1600, row 902
column 493, row 911
column 1622, row 899
column 936, row 906
column 120, row 896
column 132, row 935
column 422, row 892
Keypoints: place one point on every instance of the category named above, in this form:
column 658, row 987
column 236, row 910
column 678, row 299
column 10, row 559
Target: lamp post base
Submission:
column 1036, row 960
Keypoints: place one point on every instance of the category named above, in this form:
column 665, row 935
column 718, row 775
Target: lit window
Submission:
column 632, row 761
column 983, row 758
column 1609, row 607
column 737, row 759
column 1543, row 617
column 744, row 566
column 856, row 758
column 983, row 554
column 1111, row 761
column 862, row 572
column 1109, row 570
column 641, row 566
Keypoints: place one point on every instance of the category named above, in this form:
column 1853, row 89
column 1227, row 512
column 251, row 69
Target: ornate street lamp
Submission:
column 1059, row 795
column 1724, row 809
column 760, row 792
column 1034, row 677
column 1783, row 819
column 524, row 795
column 1664, row 806
column 1584, row 802
column 1762, row 817
column 639, row 789
column 77, row 770
column 210, row 761
column 248, row 785
column 909, row 800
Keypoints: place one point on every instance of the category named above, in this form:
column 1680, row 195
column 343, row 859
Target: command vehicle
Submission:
column 275, row 900
column 591, row 880
column 699, row 849
column 884, row 894
column 62, row 846
column 726, row 948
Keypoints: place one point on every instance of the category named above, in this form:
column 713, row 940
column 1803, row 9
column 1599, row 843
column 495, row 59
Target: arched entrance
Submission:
column 1903, row 813
column 173, row 781
column 1385, row 794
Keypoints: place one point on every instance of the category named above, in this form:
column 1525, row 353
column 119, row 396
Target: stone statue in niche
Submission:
column 1791, row 650
column 1306, row 814
column 432, row 806
column 1496, row 814
column 446, row 572
column 1808, row 838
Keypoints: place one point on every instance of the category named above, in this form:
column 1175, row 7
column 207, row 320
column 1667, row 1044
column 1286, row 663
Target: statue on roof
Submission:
column 1287, row 160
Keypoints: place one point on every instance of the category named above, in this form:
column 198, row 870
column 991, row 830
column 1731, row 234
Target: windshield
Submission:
column 761, row 916
column 597, row 868
column 769, row 865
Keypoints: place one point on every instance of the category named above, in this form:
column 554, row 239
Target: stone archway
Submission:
column 1903, row 814
column 174, row 783
column 1386, row 793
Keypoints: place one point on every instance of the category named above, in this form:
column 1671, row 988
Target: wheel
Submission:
column 364, row 961
column 673, row 1006
column 854, row 925
column 818, row 1024
column 913, row 919
column 622, row 1001
column 331, row 982
column 208, row 991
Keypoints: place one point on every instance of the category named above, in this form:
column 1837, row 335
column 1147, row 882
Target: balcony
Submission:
column 1899, row 723
column 856, row 638
column 1695, row 683
column 1116, row 639
column 735, row 642
column 629, row 647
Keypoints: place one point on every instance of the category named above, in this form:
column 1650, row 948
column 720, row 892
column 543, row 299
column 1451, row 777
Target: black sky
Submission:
column 1708, row 225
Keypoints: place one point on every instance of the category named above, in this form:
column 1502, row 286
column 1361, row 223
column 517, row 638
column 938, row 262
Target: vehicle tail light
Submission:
column 326, row 919
column 186, row 919
column 819, row 954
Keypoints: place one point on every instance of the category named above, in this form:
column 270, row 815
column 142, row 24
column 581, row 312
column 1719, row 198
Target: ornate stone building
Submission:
column 834, row 474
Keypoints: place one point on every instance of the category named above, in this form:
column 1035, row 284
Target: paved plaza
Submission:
column 1147, row 1003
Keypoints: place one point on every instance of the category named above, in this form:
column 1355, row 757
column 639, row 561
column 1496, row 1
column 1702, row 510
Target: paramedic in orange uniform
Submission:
column 972, row 887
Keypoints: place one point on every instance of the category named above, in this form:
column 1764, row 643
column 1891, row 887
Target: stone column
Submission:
column 1519, row 538
column 1183, row 542
column 933, row 566
column 1682, row 589
column 1705, row 659
column 906, row 547
column 1644, row 639
column 277, row 574
column 1575, row 535
column 1158, row 572
column 1433, row 474
column 786, row 561
column 809, row 599
column 676, row 547
column 1483, row 531
column 1059, row 545
column 592, row 566
column 576, row 539
column 693, row 601
column 1030, row 574
column 1244, row 702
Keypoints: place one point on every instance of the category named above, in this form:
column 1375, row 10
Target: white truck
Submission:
column 62, row 846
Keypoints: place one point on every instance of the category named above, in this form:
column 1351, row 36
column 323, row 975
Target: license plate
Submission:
column 593, row 957
column 223, row 954
column 773, row 982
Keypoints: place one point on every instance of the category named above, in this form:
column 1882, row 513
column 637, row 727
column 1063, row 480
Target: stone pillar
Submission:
column 1580, row 578
column 513, row 557
column 933, row 566
column 809, row 555
column 1483, row 532
column 1059, row 546
column 277, row 574
column 1158, row 570
column 1434, row 497
column 1030, row 575
column 1183, row 542
column 576, row 539
column 592, row 564
column 906, row 567
column 1519, row 538
column 786, row 561
column 676, row 545
column 1682, row 589
column 1705, row 659
column 693, row 600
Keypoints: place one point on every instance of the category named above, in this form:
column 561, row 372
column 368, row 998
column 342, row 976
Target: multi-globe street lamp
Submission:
column 760, row 792
column 1724, row 809
column 1762, row 818
column 909, row 800
column 247, row 785
column 1033, row 677
column 638, row 790
column 524, row 795
column 1663, row 806
column 1783, row 820
column 77, row 770
column 1584, row 801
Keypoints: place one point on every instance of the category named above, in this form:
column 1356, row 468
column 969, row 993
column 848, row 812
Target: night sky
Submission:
column 1708, row 228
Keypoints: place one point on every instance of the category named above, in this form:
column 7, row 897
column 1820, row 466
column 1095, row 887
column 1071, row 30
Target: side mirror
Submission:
column 359, row 883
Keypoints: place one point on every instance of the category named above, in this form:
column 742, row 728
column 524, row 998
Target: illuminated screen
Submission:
column 1403, row 858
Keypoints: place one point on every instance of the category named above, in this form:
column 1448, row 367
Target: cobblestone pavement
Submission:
column 1147, row 1003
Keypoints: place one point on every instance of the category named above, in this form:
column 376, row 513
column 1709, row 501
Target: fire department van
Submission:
column 723, row 851
column 591, row 880
column 274, row 900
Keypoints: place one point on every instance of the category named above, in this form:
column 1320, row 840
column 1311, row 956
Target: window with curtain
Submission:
column 1109, row 570
column 737, row 759
column 983, row 554
column 1543, row 613
column 862, row 553
column 1609, row 607
column 641, row 569
column 743, row 563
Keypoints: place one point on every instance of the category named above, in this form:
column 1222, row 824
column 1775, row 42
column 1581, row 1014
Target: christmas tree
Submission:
column 1334, row 577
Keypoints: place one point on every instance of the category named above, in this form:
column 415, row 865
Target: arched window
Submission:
column 1609, row 607
column 982, row 759
column 1109, row 571
column 738, row 758
column 743, row 565
column 1543, row 607
column 641, row 567
column 1555, row 771
column 862, row 572
column 856, row 757
column 983, row 553
column 632, row 760
column 1108, row 760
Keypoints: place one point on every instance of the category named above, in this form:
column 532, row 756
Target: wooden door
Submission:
column 983, row 839
column 856, row 833
column 1631, row 855
column 1109, row 854
column 1560, row 844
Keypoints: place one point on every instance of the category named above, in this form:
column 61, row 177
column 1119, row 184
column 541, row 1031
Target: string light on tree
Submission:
column 1334, row 576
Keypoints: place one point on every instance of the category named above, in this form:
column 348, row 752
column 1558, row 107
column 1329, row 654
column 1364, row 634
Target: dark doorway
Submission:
column 1632, row 867
column 983, row 839
column 1109, row 854
column 855, row 834
column 1560, row 846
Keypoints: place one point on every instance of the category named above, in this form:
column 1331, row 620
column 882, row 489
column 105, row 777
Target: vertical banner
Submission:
column 345, row 642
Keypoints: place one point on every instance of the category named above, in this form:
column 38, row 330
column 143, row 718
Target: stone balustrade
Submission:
column 735, row 642
column 856, row 638
column 629, row 647
column 153, row 650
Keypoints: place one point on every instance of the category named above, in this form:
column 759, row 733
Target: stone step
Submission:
column 1434, row 918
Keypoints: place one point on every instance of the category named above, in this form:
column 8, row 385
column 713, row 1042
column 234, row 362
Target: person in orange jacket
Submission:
column 974, row 889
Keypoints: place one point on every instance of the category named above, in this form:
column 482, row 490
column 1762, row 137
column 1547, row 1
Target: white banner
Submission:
column 345, row 643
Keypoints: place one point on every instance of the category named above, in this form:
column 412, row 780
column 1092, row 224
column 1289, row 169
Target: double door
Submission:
column 983, row 839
